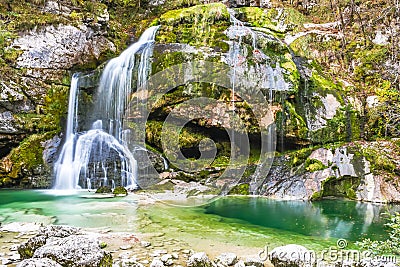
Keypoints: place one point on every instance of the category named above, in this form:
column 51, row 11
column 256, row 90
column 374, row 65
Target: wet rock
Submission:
column 50, row 149
column 226, row 259
column 75, row 250
column 292, row 255
column 38, row 263
column 199, row 259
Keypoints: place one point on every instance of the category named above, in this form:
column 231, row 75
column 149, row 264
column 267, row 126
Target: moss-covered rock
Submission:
column 120, row 191
column 104, row 190
column 240, row 189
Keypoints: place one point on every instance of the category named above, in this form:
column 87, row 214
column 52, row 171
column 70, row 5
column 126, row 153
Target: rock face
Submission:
column 60, row 47
column 342, row 172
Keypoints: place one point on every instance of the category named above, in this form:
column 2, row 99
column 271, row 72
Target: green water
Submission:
column 239, row 221
column 328, row 219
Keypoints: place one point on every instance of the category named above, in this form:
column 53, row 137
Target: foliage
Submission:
column 389, row 246
column 313, row 165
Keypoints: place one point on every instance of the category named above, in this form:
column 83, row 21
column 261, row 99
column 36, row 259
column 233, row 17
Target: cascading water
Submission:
column 258, row 74
column 99, row 156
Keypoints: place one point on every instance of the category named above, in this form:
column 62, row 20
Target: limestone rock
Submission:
column 60, row 47
column 75, row 250
column 199, row 259
column 27, row 249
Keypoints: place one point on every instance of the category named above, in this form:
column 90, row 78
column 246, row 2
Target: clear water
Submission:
column 239, row 221
column 326, row 219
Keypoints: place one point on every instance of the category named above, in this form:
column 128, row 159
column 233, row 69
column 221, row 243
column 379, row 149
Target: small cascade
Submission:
column 98, row 156
column 260, row 72
column 252, row 69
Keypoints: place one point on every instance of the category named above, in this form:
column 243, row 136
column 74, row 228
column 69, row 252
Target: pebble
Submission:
column 175, row 255
column 14, row 247
column 160, row 251
column 144, row 262
column 145, row 244
column 5, row 261
column 125, row 247
column 166, row 257
column 15, row 257
column 186, row 251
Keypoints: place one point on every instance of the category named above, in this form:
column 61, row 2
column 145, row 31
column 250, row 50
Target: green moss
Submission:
column 272, row 19
column 345, row 187
column 294, row 124
column 120, row 190
column 28, row 155
column 240, row 189
column 313, row 165
column 103, row 245
column 378, row 160
column 300, row 156
column 201, row 25
column 104, row 190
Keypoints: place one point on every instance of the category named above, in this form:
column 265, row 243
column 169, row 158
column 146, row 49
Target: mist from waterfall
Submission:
column 99, row 156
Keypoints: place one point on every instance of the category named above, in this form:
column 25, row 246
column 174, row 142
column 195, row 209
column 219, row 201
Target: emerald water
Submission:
column 240, row 221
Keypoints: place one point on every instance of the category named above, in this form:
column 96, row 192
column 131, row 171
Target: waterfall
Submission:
column 98, row 156
column 251, row 68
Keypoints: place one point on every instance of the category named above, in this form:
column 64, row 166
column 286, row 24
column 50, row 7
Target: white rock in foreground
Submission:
column 292, row 255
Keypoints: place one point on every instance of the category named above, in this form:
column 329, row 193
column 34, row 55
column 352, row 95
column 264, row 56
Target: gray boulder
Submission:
column 27, row 249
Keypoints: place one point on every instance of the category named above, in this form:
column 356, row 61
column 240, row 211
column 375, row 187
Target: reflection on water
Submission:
column 329, row 218
column 258, row 216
